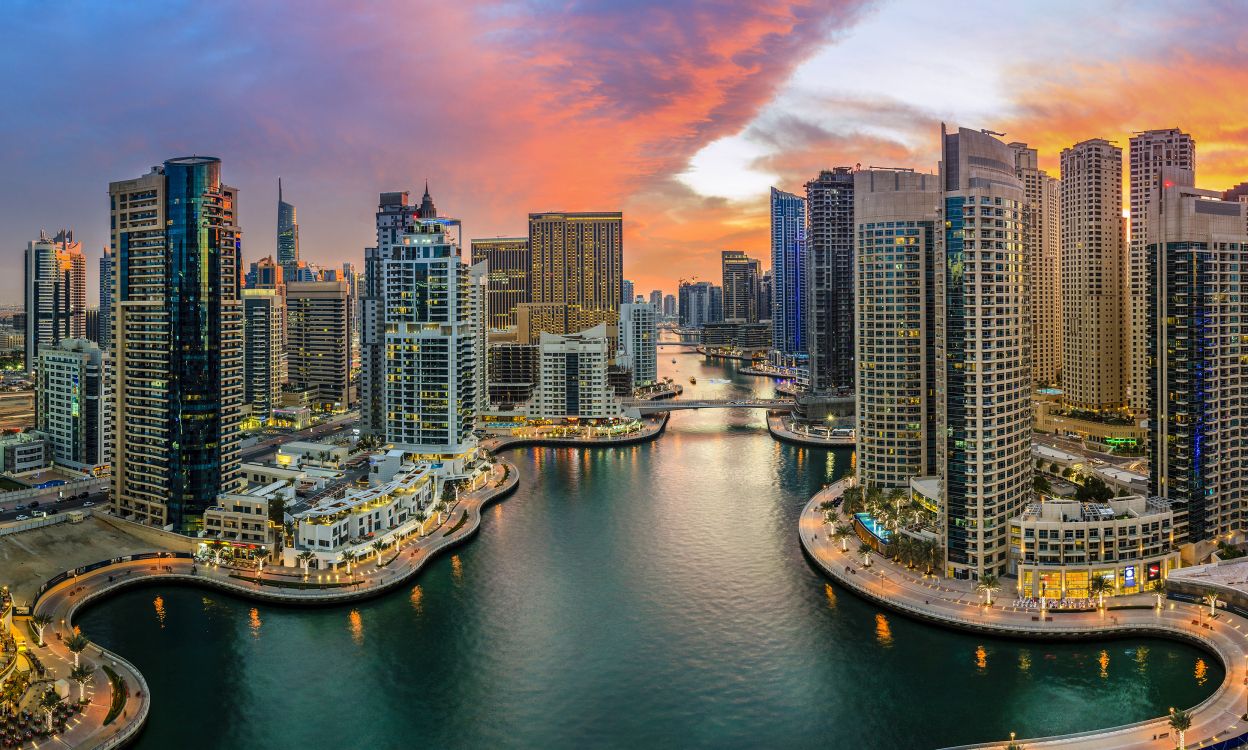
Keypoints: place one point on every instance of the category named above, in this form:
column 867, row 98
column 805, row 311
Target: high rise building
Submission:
column 656, row 300
column 830, row 280
column 478, row 293
column 740, row 278
column 897, row 224
column 1197, row 247
column 427, row 326
column 93, row 325
column 56, row 292
column 318, row 342
column 983, row 381
column 508, row 280
column 789, row 269
column 395, row 218
column 1150, row 152
column 264, row 355
column 572, row 377
column 1042, row 243
column 265, row 274
column 639, row 338
column 669, row 306
column 1094, row 274
column 107, row 284
column 177, row 350
column 578, row 261
column 287, row 233
column 626, row 291
column 766, row 296
column 695, row 304
column 73, row 407
column 512, row 374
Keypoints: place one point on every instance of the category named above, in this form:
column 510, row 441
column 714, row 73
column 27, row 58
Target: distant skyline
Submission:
column 681, row 115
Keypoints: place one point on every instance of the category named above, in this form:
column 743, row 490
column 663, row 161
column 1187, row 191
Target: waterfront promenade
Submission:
column 779, row 428
column 956, row 604
column 651, row 428
column 274, row 584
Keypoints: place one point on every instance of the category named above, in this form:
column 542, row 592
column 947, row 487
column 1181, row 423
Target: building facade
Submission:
column 1043, row 248
column 318, row 342
column 1094, row 275
column 264, row 358
column 1150, row 151
column 287, row 232
column 512, row 375
column 788, row 269
column 509, row 264
column 395, row 217
column 73, row 409
column 55, row 293
column 639, row 338
column 578, row 261
column 696, row 304
column 984, row 381
column 897, row 226
column 1197, row 248
column 177, row 350
column 572, row 377
column 105, row 330
column 830, row 280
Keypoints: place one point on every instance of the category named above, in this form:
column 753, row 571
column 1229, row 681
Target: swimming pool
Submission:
column 870, row 524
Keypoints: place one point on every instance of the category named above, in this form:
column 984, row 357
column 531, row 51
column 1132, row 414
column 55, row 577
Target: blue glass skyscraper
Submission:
column 788, row 265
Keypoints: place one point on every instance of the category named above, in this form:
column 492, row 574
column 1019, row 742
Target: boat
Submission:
column 694, row 381
column 673, row 361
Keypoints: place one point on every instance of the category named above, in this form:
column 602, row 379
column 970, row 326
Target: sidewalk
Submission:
column 63, row 600
column 956, row 604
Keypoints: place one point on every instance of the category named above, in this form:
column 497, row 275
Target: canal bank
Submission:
column 660, row 576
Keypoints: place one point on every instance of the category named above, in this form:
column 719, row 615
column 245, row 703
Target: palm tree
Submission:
column 379, row 546
column 261, row 552
column 1211, row 598
column 865, row 550
column 216, row 545
column 40, row 621
column 842, row 533
column 305, row 559
column 1160, row 589
column 346, row 557
column 77, row 643
column 1097, row 587
column 988, row 584
column 851, row 500
column 1180, row 722
column 48, row 703
column 82, row 675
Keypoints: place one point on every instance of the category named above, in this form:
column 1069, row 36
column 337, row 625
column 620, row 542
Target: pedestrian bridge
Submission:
column 679, row 343
column 653, row 407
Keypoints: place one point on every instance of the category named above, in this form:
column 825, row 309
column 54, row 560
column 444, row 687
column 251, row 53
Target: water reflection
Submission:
column 981, row 659
column 1141, row 660
column 254, row 622
column 356, row 626
column 1103, row 662
column 883, row 632
column 159, row 604
column 457, row 569
column 415, row 599
column 830, row 594
column 1024, row 660
column 1202, row 672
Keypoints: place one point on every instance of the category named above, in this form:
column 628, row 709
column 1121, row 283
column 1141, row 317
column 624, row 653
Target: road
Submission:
column 10, row 512
column 334, row 426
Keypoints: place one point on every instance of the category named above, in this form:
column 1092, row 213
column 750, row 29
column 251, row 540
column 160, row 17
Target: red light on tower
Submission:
column 1168, row 183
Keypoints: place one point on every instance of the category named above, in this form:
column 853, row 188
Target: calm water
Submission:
column 648, row 596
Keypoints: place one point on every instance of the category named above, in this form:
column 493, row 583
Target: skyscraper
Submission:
column 983, row 383
column 1042, row 246
column 318, row 342
column 395, row 217
column 897, row 224
column 578, row 261
column 656, row 300
column 178, row 343
column 264, row 355
column 740, row 278
column 669, row 306
column 287, row 233
column 695, row 304
column 507, row 283
column 1196, row 248
column 639, row 337
column 56, row 292
column 73, row 408
column 788, row 268
column 1150, row 152
column 265, row 274
column 106, row 301
column 626, row 291
column 1094, row 271
column 830, row 280
column 766, row 296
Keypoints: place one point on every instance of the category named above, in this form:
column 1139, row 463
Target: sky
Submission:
column 680, row 114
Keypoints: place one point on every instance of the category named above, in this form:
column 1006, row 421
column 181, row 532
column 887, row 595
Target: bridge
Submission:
column 690, row 344
column 653, row 407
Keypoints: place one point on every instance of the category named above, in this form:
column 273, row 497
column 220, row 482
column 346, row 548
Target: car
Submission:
column 88, row 504
column 33, row 505
column 23, row 518
column 40, row 514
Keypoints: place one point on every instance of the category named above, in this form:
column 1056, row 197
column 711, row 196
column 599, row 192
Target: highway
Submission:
column 10, row 512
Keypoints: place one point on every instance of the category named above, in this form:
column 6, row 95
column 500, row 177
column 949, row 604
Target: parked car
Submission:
column 23, row 518
column 33, row 505
column 88, row 504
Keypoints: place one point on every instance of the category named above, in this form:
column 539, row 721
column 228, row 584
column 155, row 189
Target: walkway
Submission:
column 650, row 407
column 955, row 604
column 651, row 430
column 777, row 425
column 368, row 580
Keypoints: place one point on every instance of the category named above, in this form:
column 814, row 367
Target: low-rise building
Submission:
column 745, row 337
column 25, row 452
column 243, row 520
column 72, row 404
column 572, row 377
column 312, row 454
column 1058, row 547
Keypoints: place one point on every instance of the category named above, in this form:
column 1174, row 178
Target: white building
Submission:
column 1043, row 248
column 73, row 408
column 639, row 336
column 243, row 520
column 572, row 377
column 984, row 382
column 56, row 292
column 264, row 360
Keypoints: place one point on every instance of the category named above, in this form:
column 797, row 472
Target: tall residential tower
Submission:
column 830, row 280
column 789, row 269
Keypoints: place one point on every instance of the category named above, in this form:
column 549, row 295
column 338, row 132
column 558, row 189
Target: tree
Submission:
column 40, row 621
column 48, row 703
column 379, row 546
column 346, row 558
column 77, row 643
column 988, row 584
column 305, row 559
column 82, row 675
column 1097, row 587
column 842, row 533
column 261, row 553
column 851, row 500
column 1040, row 483
column 1180, row 722
column 1211, row 598
column 1093, row 490
column 865, row 550
column 1160, row 589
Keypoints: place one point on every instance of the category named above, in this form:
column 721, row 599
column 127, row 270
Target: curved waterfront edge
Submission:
column 1217, row 719
column 651, row 432
column 61, row 603
column 775, row 426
